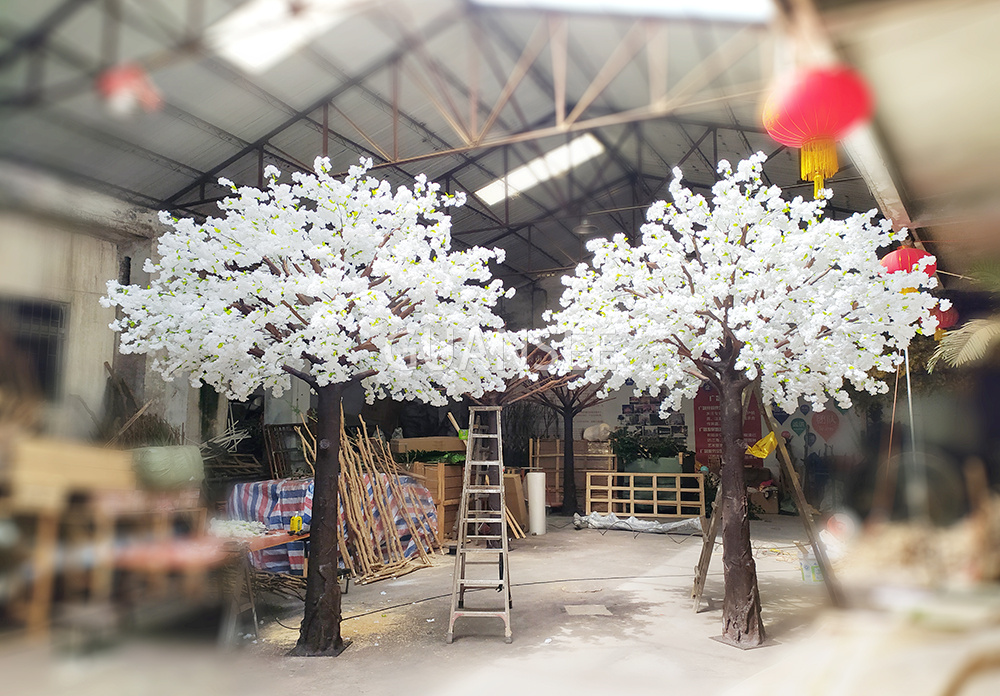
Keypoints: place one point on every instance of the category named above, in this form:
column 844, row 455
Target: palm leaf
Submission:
column 986, row 274
column 969, row 343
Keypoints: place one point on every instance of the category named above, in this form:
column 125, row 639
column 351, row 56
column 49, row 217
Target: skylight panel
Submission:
column 752, row 11
column 261, row 33
column 553, row 163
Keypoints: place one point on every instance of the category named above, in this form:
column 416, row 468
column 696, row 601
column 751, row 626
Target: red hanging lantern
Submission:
column 906, row 259
column 126, row 86
column 812, row 112
column 947, row 318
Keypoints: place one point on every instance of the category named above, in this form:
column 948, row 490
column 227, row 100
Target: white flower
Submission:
column 802, row 300
column 324, row 279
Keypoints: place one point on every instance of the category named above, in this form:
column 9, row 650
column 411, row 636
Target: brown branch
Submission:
column 304, row 376
column 274, row 269
column 241, row 307
column 409, row 310
column 295, row 312
column 316, row 266
column 273, row 330
column 690, row 280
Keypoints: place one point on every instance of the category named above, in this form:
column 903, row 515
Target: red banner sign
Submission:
column 708, row 428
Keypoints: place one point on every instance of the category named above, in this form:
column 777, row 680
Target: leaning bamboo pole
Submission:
column 368, row 539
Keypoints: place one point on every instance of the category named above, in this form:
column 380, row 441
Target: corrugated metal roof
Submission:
column 411, row 85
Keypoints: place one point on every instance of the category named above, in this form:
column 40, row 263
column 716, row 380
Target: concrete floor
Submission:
column 647, row 641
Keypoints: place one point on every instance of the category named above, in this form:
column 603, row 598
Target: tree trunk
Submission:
column 320, row 631
column 741, row 621
column 569, row 475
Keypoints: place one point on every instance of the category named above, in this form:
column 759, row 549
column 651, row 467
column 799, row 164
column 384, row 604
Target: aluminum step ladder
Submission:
column 482, row 524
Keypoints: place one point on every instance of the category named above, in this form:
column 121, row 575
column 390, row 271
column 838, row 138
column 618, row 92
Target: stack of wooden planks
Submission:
column 373, row 548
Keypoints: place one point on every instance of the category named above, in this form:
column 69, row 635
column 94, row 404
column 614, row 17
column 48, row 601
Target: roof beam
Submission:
column 372, row 69
column 40, row 34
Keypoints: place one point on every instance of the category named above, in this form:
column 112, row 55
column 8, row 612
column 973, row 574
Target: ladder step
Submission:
column 482, row 583
column 477, row 549
column 480, row 612
column 484, row 462
column 484, row 537
column 483, row 436
column 483, row 489
column 483, row 519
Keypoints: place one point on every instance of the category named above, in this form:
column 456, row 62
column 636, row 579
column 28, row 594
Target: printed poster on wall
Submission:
column 708, row 427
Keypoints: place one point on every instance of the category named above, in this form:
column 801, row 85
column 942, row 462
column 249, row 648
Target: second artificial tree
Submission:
column 741, row 289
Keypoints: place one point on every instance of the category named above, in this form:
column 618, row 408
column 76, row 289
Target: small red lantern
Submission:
column 947, row 318
column 906, row 259
column 812, row 112
column 126, row 86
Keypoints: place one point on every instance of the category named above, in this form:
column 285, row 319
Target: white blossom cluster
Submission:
column 800, row 300
column 327, row 280
column 235, row 529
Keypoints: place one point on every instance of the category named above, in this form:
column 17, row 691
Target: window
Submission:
column 37, row 330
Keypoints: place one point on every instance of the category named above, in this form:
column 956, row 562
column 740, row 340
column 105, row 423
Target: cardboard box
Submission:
column 427, row 444
column 769, row 503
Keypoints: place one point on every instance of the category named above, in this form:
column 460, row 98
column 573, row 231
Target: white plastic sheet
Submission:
column 595, row 520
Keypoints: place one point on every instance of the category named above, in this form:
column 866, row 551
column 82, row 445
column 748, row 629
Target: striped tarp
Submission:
column 274, row 503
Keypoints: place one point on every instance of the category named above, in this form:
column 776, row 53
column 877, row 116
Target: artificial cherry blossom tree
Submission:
column 330, row 282
column 744, row 288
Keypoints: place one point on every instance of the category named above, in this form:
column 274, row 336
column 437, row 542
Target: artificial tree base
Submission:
column 725, row 640
column 301, row 651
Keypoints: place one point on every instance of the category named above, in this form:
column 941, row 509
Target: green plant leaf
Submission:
column 969, row 343
column 986, row 274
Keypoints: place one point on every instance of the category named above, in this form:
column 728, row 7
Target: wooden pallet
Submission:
column 547, row 455
column 444, row 483
column 646, row 495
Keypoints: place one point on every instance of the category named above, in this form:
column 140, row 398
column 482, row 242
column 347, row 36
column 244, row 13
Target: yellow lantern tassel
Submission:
column 818, row 161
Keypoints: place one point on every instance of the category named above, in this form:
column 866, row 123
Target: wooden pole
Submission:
column 707, row 546
column 832, row 586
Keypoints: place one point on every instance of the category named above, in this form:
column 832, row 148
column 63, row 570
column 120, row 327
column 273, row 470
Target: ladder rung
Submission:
column 484, row 462
column 484, row 537
column 481, row 612
column 482, row 583
column 484, row 489
column 484, row 519
column 477, row 549
column 483, row 436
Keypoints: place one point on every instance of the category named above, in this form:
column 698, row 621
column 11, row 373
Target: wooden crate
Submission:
column 38, row 478
column 444, row 482
column 40, row 474
column 426, row 444
column 513, row 490
column 547, row 455
column 646, row 495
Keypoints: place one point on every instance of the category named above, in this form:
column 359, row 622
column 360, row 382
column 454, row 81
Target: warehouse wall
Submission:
column 43, row 260
column 61, row 243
